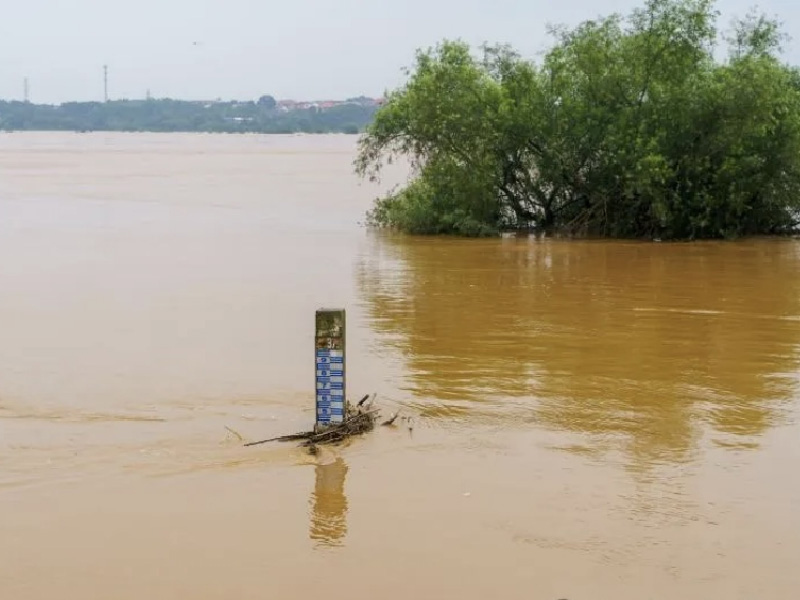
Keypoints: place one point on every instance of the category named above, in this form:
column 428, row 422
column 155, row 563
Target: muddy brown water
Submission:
column 597, row 420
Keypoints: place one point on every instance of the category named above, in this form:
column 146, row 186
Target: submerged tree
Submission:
column 627, row 127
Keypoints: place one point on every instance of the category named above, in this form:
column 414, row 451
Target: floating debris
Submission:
column 359, row 419
column 235, row 433
column 391, row 419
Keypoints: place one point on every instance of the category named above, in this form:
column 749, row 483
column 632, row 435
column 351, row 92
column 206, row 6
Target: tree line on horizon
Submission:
column 627, row 127
column 167, row 115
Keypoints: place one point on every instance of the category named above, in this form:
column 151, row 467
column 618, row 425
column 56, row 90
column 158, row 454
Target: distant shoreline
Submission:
column 265, row 116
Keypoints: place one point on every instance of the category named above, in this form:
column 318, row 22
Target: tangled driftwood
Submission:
column 358, row 419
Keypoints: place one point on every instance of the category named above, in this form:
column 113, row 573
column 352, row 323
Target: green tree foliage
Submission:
column 168, row 115
column 267, row 102
column 627, row 127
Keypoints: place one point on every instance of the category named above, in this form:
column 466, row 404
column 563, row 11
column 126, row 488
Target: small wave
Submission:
column 69, row 417
column 685, row 311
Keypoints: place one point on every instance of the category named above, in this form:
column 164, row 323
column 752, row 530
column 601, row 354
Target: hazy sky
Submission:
column 303, row 49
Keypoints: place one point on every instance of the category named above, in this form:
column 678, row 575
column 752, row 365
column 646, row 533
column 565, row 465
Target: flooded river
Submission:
column 593, row 420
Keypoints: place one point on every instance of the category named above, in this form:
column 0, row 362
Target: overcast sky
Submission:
column 241, row 49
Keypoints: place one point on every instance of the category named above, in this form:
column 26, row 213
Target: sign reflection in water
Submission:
column 328, row 525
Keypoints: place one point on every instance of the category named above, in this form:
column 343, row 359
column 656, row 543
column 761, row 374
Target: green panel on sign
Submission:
column 330, row 323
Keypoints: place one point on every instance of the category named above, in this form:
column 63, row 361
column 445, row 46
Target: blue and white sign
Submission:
column 330, row 366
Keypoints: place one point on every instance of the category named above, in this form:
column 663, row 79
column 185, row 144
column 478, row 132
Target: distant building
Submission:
column 289, row 105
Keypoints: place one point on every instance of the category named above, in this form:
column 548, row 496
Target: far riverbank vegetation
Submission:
column 266, row 115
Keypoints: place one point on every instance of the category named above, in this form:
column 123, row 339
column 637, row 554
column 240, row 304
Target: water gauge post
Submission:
column 329, row 365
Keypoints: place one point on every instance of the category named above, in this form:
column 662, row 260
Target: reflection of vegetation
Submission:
column 329, row 504
column 179, row 115
column 626, row 127
column 640, row 342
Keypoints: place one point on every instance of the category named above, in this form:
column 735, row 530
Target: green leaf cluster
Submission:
column 627, row 127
